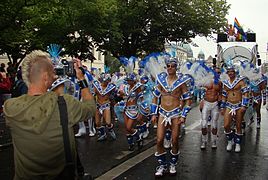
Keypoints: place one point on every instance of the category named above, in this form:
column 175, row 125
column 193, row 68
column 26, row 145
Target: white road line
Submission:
column 193, row 126
column 115, row 172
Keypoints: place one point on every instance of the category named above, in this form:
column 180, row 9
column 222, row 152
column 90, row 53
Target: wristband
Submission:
column 185, row 111
column 245, row 102
column 153, row 109
column 82, row 84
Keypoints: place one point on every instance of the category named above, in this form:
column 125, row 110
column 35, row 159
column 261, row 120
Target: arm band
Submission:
column 244, row 89
column 224, row 93
column 153, row 109
column 82, row 84
column 186, row 95
column 156, row 92
column 185, row 111
column 245, row 102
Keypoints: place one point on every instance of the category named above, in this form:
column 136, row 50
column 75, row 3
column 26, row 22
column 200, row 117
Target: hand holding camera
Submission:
column 79, row 69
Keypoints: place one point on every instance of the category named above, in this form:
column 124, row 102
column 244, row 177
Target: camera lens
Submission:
column 64, row 62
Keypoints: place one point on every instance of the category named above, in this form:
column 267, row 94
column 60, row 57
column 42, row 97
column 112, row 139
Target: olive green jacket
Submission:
column 37, row 133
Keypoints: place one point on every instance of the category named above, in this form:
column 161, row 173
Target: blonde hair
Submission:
column 29, row 63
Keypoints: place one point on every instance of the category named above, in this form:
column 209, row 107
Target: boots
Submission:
column 138, row 138
column 203, row 142
column 144, row 130
column 130, row 142
column 92, row 130
column 135, row 137
column 82, row 130
column 101, row 133
column 230, row 137
column 111, row 131
column 237, row 140
column 214, row 141
column 162, row 168
column 173, row 162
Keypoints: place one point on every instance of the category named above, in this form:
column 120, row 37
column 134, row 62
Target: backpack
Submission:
column 17, row 89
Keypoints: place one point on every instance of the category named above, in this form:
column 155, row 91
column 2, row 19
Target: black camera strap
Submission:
column 64, row 124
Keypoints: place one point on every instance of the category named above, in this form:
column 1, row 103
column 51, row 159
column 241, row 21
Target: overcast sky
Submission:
column 250, row 14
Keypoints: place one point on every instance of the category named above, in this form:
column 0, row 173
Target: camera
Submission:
column 65, row 68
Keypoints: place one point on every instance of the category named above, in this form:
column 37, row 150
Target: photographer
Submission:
column 34, row 120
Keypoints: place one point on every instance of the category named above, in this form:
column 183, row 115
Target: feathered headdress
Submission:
column 54, row 51
column 248, row 70
column 154, row 63
column 202, row 74
column 129, row 64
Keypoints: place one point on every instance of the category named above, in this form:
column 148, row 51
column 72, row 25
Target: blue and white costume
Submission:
column 168, row 115
column 110, row 87
column 230, row 86
column 132, row 111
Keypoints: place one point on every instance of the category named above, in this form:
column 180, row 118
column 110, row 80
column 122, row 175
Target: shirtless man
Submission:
column 210, row 107
column 235, row 100
column 170, row 91
column 103, row 90
column 258, row 90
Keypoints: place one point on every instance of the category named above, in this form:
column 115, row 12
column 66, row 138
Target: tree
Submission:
column 112, row 62
column 136, row 27
column 29, row 25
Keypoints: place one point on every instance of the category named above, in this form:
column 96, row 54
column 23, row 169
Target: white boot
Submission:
column 230, row 145
column 82, row 130
column 92, row 130
column 172, row 169
column 203, row 142
column 237, row 148
column 214, row 141
column 160, row 171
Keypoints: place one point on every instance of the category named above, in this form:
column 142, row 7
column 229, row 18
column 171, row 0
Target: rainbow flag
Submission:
column 239, row 37
column 240, row 29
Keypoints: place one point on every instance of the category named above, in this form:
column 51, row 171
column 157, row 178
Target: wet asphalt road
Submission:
column 113, row 158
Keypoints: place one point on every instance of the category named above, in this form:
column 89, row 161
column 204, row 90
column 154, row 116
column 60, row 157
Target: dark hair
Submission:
column 2, row 69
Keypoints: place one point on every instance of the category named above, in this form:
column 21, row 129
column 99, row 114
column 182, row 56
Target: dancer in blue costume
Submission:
column 235, row 100
column 103, row 88
column 168, row 96
column 132, row 93
column 257, row 83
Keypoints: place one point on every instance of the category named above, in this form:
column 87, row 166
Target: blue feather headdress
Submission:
column 202, row 74
column 154, row 63
column 54, row 51
column 128, row 63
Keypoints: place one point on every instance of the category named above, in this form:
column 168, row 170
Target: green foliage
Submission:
column 122, row 27
column 112, row 62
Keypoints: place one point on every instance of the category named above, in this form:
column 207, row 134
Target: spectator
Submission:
column 5, row 86
column 34, row 120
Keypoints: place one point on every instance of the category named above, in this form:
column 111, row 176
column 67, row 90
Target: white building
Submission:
column 98, row 62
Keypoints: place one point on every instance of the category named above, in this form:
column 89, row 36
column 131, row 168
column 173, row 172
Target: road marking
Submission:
column 118, row 170
column 125, row 153
column 193, row 126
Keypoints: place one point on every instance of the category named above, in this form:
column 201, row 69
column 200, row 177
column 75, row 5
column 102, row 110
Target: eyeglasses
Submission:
column 171, row 66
